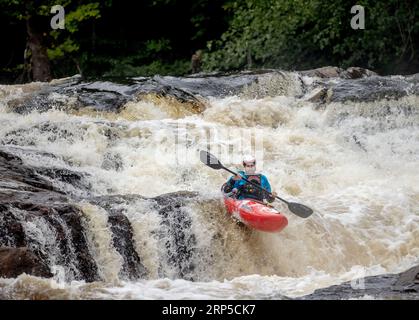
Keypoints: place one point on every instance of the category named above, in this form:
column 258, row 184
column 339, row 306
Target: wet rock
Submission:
column 44, row 97
column 181, row 197
column 100, row 96
column 102, row 101
column 15, row 175
column 86, row 267
column 73, row 178
column 335, row 72
column 181, row 247
column 11, row 230
column 67, row 80
column 28, row 201
column 111, row 97
column 272, row 84
column 122, row 234
column 370, row 89
column 317, row 95
column 27, row 135
column 357, row 72
column 39, row 216
column 408, row 280
column 220, row 85
column 106, row 96
column 177, row 102
column 69, row 246
column 123, row 242
column 179, row 240
column 402, row 286
column 18, row 176
column 41, row 102
column 15, row 261
column 324, row 72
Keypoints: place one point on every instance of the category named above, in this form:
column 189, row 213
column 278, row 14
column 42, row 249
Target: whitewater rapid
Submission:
column 355, row 163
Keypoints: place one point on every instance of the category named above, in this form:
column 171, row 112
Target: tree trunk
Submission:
column 249, row 58
column 41, row 70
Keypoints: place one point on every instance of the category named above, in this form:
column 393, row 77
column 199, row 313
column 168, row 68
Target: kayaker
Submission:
column 244, row 190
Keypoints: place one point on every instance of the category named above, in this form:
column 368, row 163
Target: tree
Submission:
column 310, row 33
column 43, row 43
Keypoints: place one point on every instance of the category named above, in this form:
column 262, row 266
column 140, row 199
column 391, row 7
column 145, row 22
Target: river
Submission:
column 352, row 155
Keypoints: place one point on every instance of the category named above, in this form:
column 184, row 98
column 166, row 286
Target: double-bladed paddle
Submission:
column 212, row 162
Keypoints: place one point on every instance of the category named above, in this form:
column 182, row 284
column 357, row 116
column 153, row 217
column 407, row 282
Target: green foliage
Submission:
column 310, row 33
column 60, row 51
column 63, row 45
column 159, row 36
column 65, row 41
column 125, row 68
column 81, row 13
column 45, row 8
column 157, row 46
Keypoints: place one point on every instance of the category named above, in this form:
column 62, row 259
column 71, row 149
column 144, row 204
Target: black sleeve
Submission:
column 228, row 186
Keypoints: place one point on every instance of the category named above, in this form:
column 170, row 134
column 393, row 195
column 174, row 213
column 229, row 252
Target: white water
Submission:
column 364, row 191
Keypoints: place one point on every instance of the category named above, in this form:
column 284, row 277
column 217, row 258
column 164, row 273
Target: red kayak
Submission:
column 256, row 215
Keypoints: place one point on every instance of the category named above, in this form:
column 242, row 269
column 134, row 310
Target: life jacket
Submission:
column 250, row 191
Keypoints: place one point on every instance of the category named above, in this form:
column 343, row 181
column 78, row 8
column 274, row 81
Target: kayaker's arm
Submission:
column 266, row 185
column 232, row 184
column 229, row 185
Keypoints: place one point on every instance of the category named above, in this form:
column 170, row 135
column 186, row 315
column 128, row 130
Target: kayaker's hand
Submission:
column 234, row 191
column 271, row 197
column 237, row 177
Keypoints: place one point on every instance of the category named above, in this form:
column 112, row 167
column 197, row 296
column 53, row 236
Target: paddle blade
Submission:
column 210, row 160
column 300, row 209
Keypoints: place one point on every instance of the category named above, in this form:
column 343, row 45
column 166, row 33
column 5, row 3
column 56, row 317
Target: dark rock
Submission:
column 70, row 248
column 87, row 268
column 101, row 96
column 369, row 89
column 357, row 72
column 335, row 72
column 102, row 101
column 122, row 234
column 408, row 280
column 11, row 231
column 124, row 243
column 180, row 196
column 44, row 97
column 15, row 261
column 111, row 97
column 26, row 197
column 179, row 241
column 400, row 286
column 27, row 135
column 181, row 247
column 324, row 72
column 15, row 175
column 28, row 200
column 73, row 178
column 207, row 85
column 41, row 102
column 317, row 95
column 172, row 94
